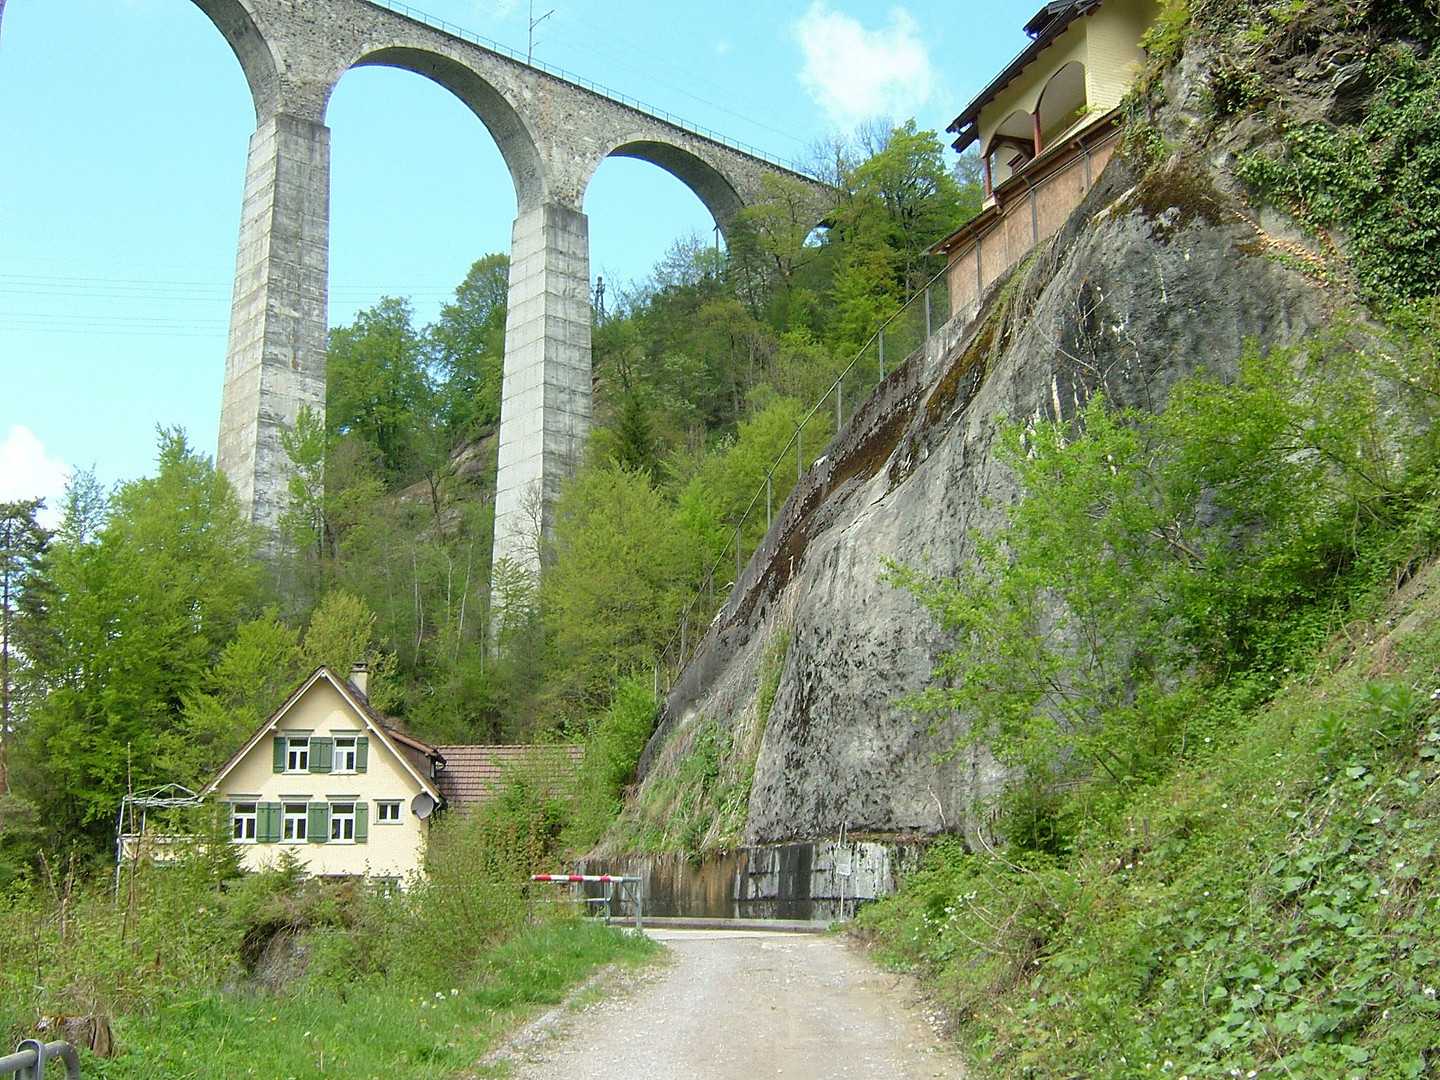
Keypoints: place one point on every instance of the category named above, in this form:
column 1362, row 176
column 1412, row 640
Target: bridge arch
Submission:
column 237, row 24
column 709, row 184
column 517, row 144
column 552, row 133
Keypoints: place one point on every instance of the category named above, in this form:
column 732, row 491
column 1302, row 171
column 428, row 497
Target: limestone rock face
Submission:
column 1150, row 281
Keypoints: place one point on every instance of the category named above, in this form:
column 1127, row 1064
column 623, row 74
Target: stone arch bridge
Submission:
column 553, row 134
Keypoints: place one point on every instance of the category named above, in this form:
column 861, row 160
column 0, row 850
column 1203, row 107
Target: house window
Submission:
column 387, row 812
column 244, row 817
column 344, row 754
column 294, row 821
column 342, row 823
column 297, row 756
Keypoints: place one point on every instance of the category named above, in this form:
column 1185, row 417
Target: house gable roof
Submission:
column 394, row 741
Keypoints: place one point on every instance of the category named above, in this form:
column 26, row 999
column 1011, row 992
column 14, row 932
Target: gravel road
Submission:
column 739, row 1005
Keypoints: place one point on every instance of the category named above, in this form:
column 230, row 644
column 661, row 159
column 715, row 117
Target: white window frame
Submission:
column 346, row 754
column 297, row 753
column 244, row 822
column 381, row 806
column 295, row 824
column 342, row 821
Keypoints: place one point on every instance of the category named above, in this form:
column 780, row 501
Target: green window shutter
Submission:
column 279, row 753
column 362, row 822
column 267, row 822
column 362, row 753
column 317, row 830
column 322, row 754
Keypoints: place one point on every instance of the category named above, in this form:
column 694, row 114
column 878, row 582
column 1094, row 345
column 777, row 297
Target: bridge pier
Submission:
column 545, row 403
column 553, row 134
column 275, row 362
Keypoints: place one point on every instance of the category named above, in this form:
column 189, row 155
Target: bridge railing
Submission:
column 893, row 340
column 584, row 83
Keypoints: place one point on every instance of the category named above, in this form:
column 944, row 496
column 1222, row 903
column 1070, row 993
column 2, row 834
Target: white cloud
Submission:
column 497, row 9
column 854, row 73
column 28, row 472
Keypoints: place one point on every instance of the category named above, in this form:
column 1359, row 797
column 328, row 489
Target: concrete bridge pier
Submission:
column 275, row 362
column 545, row 403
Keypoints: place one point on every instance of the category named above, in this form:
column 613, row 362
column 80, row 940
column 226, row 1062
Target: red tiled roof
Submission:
column 470, row 773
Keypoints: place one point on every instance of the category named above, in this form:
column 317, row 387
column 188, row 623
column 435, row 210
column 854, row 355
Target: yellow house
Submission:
column 328, row 781
column 1046, row 126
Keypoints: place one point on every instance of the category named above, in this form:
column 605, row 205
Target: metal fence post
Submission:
column 769, row 516
column 799, row 453
column 927, row 313
column 839, row 403
column 882, row 352
column 739, row 559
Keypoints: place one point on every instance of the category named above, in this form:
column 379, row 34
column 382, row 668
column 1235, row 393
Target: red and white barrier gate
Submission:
column 636, row 891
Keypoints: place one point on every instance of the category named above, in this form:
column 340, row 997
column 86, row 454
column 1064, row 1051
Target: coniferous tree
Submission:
column 22, row 544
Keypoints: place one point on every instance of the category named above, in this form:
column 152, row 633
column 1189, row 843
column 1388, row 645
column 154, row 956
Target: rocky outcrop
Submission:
column 1161, row 272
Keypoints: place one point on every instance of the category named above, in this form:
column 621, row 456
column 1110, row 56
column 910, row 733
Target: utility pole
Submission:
column 534, row 22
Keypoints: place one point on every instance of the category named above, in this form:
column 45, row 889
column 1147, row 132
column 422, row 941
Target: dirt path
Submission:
column 740, row 1005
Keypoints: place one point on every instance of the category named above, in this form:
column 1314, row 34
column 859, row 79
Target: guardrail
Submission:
column 896, row 338
column 586, row 84
column 29, row 1060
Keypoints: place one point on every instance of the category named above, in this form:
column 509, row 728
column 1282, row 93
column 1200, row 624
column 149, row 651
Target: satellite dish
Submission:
column 422, row 805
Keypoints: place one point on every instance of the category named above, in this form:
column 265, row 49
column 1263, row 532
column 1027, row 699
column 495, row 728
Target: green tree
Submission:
column 1209, row 542
column 22, row 544
column 919, row 197
column 133, row 609
column 378, row 389
column 257, row 669
column 467, row 346
column 611, row 597
column 341, row 633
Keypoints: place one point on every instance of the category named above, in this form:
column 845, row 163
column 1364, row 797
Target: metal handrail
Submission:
column 583, row 83
column 836, row 389
column 30, row 1058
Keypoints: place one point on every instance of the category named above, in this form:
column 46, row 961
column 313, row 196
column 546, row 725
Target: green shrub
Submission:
column 1379, row 180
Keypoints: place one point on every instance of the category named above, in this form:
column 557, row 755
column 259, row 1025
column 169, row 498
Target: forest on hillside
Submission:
column 148, row 635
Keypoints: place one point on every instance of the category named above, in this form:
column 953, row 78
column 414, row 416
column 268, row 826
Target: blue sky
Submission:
column 123, row 132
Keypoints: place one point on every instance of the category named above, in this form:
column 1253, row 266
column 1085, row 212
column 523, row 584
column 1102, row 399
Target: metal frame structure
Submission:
column 30, row 1058
column 636, row 890
column 164, row 797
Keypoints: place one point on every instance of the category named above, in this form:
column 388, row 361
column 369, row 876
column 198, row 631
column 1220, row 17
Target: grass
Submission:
column 368, row 1028
column 206, row 972
column 1269, row 909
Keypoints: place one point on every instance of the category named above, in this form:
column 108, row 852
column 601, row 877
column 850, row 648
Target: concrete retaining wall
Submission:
column 815, row 880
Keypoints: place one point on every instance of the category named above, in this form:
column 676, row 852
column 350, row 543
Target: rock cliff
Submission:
column 1164, row 269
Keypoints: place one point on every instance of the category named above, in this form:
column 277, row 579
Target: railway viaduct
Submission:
column 552, row 132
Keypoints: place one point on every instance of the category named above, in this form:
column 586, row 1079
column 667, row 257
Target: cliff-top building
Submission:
column 1046, row 126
